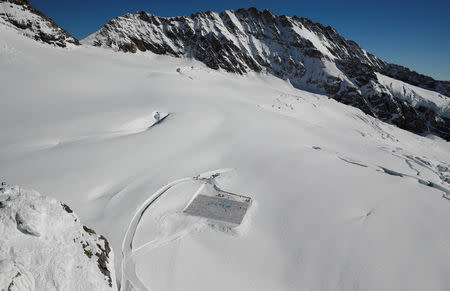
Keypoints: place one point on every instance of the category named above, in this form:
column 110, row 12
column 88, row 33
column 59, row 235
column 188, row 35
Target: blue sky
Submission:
column 412, row 33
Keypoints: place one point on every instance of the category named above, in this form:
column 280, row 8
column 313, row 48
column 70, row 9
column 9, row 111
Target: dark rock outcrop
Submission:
column 33, row 23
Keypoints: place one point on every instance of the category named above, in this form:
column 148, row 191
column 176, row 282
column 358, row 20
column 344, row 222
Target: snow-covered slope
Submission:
column 343, row 200
column 312, row 57
column 416, row 96
column 21, row 15
column 44, row 246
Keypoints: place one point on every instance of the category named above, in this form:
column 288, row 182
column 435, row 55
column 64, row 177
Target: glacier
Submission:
column 345, row 201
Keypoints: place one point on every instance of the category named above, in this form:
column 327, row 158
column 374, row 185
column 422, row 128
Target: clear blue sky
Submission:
column 412, row 33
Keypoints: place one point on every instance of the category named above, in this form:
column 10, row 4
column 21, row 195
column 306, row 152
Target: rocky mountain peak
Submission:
column 21, row 15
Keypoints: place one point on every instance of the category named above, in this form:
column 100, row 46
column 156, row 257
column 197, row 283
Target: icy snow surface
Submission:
column 345, row 202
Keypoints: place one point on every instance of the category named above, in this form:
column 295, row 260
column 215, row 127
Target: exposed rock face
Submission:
column 33, row 23
column 411, row 77
column 311, row 56
column 43, row 246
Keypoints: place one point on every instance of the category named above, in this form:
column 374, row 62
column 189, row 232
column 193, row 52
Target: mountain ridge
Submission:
column 311, row 56
column 28, row 20
column 400, row 72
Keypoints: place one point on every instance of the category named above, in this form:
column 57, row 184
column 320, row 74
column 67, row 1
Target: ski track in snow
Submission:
column 136, row 126
column 133, row 127
column 129, row 276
